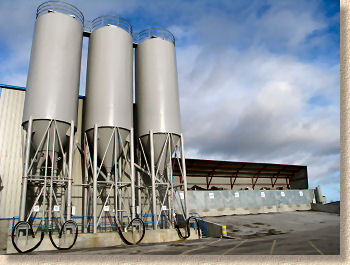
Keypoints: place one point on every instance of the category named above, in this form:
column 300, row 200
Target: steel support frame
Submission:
column 117, row 190
column 45, row 178
column 162, row 210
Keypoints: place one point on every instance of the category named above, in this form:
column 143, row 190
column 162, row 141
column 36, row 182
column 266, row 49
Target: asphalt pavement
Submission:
column 290, row 233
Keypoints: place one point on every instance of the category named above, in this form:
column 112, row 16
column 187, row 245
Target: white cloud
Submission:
column 255, row 106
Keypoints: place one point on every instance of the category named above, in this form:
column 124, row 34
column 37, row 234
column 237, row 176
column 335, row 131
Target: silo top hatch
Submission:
column 62, row 7
column 155, row 33
column 111, row 20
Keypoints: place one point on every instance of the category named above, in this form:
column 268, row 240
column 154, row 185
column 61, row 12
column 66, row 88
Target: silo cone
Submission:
column 159, row 140
column 106, row 139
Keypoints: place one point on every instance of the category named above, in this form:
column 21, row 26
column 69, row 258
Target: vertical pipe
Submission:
column 139, row 186
column 183, row 163
column 45, row 176
column 170, row 178
column 154, row 205
column 70, row 166
column 52, row 173
column 94, row 206
column 63, row 194
column 25, row 171
column 115, row 176
column 120, row 212
column 85, row 188
column 132, row 173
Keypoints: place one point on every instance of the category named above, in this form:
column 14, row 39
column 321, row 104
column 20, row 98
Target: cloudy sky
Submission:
column 258, row 80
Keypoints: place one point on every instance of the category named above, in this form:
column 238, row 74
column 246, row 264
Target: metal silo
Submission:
column 158, row 115
column 50, row 111
column 54, row 70
column 108, row 115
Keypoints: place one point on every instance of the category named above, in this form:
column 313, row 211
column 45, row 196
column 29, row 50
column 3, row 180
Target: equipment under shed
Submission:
column 228, row 175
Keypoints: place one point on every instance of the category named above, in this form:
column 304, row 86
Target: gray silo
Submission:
column 54, row 70
column 108, row 111
column 158, row 112
column 50, row 111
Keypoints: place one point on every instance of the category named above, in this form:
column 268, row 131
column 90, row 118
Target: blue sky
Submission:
column 258, row 80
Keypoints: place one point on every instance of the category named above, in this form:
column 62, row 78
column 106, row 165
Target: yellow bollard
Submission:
column 223, row 230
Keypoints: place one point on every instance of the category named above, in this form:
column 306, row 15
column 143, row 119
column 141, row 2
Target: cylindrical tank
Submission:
column 109, row 90
column 157, row 99
column 54, row 70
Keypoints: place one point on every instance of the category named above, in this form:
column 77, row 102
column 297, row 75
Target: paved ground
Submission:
column 292, row 233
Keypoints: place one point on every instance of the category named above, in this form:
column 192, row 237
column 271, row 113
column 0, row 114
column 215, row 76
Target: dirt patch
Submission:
column 177, row 244
column 269, row 232
column 250, row 226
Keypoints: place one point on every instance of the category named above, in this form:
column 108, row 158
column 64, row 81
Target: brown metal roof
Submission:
column 231, row 169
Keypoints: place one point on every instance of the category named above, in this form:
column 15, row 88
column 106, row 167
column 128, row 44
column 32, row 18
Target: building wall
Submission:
column 225, row 202
column 11, row 135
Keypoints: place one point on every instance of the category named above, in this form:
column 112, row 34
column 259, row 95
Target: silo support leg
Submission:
column 183, row 162
column 132, row 175
column 85, row 188
column 70, row 166
column 154, row 205
column 94, row 193
column 25, row 171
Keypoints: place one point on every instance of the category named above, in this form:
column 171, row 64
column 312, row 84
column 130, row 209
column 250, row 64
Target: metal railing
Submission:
column 89, row 218
column 202, row 224
column 62, row 7
column 154, row 33
column 111, row 20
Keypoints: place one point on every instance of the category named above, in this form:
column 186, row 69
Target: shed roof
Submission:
column 233, row 169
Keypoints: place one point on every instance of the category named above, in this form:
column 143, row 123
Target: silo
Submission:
column 50, row 108
column 54, row 69
column 108, row 115
column 109, row 90
column 157, row 96
column 158, row 120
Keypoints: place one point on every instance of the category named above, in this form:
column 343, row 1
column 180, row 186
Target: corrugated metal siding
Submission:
column 11, row 135
column 11, row 165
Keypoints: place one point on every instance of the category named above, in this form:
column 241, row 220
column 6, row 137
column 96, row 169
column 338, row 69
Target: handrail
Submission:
column 111, row 20
column 202, row 224
column 154, row 33
column 62, row 7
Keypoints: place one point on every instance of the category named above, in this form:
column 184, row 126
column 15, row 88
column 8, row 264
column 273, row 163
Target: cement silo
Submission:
column 158, row 112
column 108, row 114
column 54, row 70
column 50, row 111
